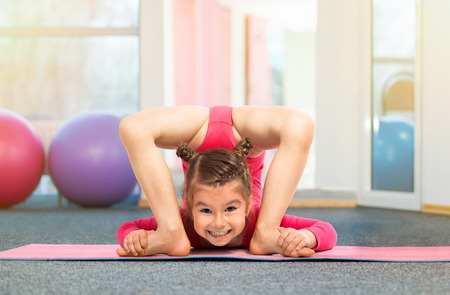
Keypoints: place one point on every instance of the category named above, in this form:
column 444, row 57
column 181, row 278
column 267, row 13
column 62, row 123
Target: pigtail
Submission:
column 243, row 147
column 185, row 153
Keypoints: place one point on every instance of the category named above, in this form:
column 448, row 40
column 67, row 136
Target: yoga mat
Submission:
column 339, row 253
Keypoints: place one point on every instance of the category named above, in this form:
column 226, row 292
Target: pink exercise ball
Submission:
column 22, row 159
column 88, row 163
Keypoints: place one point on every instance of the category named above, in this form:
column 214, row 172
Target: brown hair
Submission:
column 217, row 167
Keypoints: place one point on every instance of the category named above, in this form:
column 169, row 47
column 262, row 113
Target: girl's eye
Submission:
column 230, row 209
column 206, row 211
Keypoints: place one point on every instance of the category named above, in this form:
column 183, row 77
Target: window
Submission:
column 62, row 57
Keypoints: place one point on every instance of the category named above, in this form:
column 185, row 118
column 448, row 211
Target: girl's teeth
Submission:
column 218, row 233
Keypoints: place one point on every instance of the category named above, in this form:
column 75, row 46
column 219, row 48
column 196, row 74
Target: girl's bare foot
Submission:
column 265, row 242
column 173, row 243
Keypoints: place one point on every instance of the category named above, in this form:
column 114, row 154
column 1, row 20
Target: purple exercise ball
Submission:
column 22, row 159
column 88, row 163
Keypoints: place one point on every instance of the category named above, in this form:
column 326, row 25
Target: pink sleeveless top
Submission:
column 220, row 135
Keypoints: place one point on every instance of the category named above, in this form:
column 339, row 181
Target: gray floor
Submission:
column 360, row 226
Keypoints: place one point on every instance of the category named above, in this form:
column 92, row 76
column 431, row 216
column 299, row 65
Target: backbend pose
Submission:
column 287, row 130
column 219, row 210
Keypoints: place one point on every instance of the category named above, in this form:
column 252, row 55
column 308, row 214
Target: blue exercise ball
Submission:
column 22, row 159
column 393, row 155
column 88, row 163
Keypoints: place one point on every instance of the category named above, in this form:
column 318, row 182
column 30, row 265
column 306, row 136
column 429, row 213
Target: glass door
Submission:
column 393, row 111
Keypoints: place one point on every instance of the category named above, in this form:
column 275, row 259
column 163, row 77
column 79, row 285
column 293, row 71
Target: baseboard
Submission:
column 323, row 203
column 436, row 209
column 142, row 203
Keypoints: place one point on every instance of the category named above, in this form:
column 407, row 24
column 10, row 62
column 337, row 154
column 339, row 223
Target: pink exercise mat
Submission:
column 339, row 253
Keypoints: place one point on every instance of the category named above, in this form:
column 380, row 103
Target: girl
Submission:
column 287, row 130
column 219, row 210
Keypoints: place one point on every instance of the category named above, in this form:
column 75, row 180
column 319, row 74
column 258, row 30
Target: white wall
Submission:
column 237, row 57
column 338, row 95
column 300, row 70
column 436, row 102
column 151, row 50
column 299, row 85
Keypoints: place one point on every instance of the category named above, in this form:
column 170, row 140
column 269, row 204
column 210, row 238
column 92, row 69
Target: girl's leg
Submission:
column 156, row 181
column 281, row 182
column 291, row 132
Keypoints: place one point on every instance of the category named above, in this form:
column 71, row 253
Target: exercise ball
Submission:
column 22, row 159
column 393, row 155
column 88, row 163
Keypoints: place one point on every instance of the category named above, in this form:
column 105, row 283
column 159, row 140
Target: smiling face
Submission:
column 219, row 214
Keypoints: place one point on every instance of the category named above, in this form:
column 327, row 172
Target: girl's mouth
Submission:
column 219, row 234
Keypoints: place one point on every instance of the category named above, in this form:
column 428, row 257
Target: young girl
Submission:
column 202, row 128
column 220, row 211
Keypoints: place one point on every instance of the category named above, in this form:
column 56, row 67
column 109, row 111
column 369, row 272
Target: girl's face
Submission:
column 219, row 214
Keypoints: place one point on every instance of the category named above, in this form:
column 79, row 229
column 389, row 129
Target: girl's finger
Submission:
column 133, row 244
column 302, row 244
column 121, row 252
column 296, row 246
column 143, row 241
column 125, row 245
column 283, row 234
column 306, row 252
column 137, row 244
column 292, row 246
column 284, row 239
column 289, row 239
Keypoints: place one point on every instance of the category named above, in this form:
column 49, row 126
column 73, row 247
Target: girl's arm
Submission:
column 323, row 235
column 291, row 132
column 143, row 134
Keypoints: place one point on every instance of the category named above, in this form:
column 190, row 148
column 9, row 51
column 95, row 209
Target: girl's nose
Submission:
column 218, row 221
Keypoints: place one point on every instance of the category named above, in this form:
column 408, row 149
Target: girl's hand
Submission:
column 135, row 243
column 296, row 243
